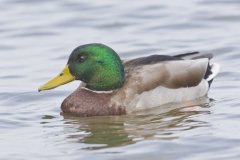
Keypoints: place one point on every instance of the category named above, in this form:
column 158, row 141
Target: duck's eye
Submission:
column 82, row 58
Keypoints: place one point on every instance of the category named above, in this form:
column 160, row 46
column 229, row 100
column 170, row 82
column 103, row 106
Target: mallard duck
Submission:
column 111, row 86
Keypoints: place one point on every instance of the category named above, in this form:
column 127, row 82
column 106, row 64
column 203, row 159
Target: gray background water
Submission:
column 36, row 38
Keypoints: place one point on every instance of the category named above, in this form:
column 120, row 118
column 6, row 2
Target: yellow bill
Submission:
column 64, row 77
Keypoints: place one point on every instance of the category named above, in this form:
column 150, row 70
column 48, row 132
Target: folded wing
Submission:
column 176, row 73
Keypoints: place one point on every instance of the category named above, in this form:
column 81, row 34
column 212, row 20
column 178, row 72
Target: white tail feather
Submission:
column 215, row 68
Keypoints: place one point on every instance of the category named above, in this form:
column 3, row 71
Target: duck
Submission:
column 111, row 86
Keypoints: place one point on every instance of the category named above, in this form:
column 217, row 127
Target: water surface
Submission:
column 36, row 39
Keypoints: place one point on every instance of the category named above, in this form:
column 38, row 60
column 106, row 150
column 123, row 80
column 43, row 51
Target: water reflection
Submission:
column 165, row 122
column 100, row 132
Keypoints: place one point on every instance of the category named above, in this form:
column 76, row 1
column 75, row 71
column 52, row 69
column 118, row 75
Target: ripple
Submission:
column 33, row 34
column 12, row 99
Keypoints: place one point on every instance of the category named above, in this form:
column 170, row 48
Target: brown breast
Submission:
column 83, row 102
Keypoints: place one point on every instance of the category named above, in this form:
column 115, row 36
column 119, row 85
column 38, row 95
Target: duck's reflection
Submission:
column 99, row 131
column 165, row 122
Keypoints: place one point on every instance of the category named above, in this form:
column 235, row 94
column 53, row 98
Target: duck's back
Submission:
column 158, row 79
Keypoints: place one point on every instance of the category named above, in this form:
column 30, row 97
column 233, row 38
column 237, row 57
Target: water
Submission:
column 37, row 37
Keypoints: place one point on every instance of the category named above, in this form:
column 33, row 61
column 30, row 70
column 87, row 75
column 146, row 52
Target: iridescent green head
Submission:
column 97, row 65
